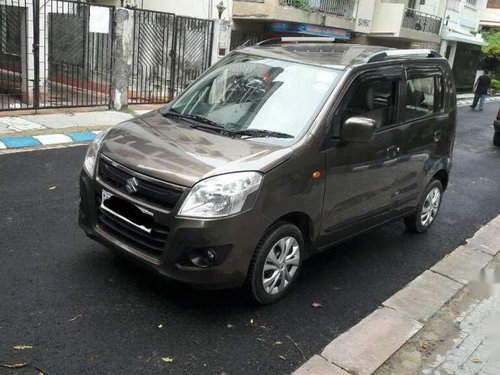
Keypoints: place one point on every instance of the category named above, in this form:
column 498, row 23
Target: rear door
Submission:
column 423, row 123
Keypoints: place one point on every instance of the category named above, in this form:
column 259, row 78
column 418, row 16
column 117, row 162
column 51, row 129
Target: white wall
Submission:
column 388, row 18
column 191, row 8
column 465, row 18
column 490, row 17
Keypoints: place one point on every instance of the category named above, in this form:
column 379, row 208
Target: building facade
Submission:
column 490, row 15
column 401, row 24
column 462, row 40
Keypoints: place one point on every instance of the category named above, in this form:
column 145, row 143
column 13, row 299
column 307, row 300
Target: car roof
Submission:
column 330, row 55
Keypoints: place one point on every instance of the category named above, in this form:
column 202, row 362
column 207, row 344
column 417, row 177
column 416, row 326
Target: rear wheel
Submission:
column 427, row 210
column 496, row 139
column 276, row 263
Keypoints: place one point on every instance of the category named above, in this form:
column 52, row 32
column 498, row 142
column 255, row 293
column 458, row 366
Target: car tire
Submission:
column 427, row 209
column 496, row 139
column 276, row 263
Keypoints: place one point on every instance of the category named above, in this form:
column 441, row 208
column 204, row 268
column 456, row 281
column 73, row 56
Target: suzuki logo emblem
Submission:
column 132, row 185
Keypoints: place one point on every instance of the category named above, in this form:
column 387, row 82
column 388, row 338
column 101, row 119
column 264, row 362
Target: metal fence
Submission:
column 151, row 77
column 77, row 66
column 193, row 50
column 58, row 53
column 420, row 21
column 341, row 8
column 54, row 53
column 240, row 37
column 169, row 52
column 13, row 45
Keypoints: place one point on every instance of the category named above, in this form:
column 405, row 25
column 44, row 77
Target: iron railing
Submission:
column 342, row 8
column 169, row 52
column 420, row 21
column 14, row 88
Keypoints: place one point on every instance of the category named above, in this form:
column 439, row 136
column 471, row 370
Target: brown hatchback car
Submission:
column 274, row 154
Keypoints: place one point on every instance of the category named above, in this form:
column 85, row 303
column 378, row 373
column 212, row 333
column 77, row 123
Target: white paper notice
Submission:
column 99, row 20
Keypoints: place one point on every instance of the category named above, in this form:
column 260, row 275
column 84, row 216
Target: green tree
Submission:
column 491, row 51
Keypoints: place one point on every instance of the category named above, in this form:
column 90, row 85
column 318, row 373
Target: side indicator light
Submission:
column 316, row 175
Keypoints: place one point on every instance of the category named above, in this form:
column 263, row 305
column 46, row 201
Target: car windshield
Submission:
column 257, row 96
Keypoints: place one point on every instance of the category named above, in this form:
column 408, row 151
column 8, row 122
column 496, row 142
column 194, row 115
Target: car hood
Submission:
column 168, row 149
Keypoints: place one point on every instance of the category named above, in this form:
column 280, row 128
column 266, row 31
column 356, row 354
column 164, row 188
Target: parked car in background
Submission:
column 274, row 154
column 496, row 127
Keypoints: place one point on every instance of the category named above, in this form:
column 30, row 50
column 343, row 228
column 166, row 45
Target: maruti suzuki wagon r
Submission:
column 276, row 153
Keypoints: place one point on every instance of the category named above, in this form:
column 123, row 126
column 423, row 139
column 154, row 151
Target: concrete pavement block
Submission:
column 53, row 139
column 487, row 239
column 84, row 119
column 495, row 222
column 463, row 265
column 319, row 366
column 4, row 129
column 19, row 124
column 424, row 296
column 367, row 345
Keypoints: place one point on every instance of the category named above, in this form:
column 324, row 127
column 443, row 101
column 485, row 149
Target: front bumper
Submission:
column 239, row 235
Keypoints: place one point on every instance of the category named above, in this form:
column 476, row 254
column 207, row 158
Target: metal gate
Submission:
column 79, row 40
column 54, row 53
column 169, row 53
column 58, row 53
column 13, row 42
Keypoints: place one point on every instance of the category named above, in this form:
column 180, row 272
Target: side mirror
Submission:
column 358, row 129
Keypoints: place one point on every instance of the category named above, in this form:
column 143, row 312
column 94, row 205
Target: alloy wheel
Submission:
column 430, row 207
column 281, row 265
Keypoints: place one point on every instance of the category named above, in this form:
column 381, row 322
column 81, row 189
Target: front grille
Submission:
column 152, row 243
column 148, row 189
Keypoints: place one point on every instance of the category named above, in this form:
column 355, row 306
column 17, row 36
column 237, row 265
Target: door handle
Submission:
column 392, row 152
column 437, row 136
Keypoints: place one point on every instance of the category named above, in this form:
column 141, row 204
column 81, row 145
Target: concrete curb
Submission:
column 369, row 344
column 7, row 143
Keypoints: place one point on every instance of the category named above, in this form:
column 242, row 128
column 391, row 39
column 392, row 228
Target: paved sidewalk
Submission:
column 63, row 126
column 446, row 321
column 463, row 338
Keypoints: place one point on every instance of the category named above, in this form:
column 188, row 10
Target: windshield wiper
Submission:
column 197, row 118
column 198, row 121
column 261, row 133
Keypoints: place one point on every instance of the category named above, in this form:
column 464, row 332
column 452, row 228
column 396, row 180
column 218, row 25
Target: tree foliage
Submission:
column 491, row 51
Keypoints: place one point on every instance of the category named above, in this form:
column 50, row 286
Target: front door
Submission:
column 361, row 176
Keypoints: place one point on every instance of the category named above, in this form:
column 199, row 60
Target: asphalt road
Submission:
column 85, row 311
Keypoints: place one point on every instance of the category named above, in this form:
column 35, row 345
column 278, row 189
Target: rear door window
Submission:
column 422, row 97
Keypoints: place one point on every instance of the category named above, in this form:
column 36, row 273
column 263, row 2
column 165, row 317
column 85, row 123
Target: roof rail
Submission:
column 401, row 53
column 298, row 39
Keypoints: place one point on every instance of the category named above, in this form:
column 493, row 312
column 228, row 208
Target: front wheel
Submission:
column 427, row 210
column 276, row 263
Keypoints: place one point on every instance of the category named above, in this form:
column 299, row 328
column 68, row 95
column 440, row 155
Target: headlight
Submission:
column 221, row 195
column 91, row 156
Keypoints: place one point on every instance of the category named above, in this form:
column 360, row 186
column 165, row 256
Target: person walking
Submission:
column 481, row 90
